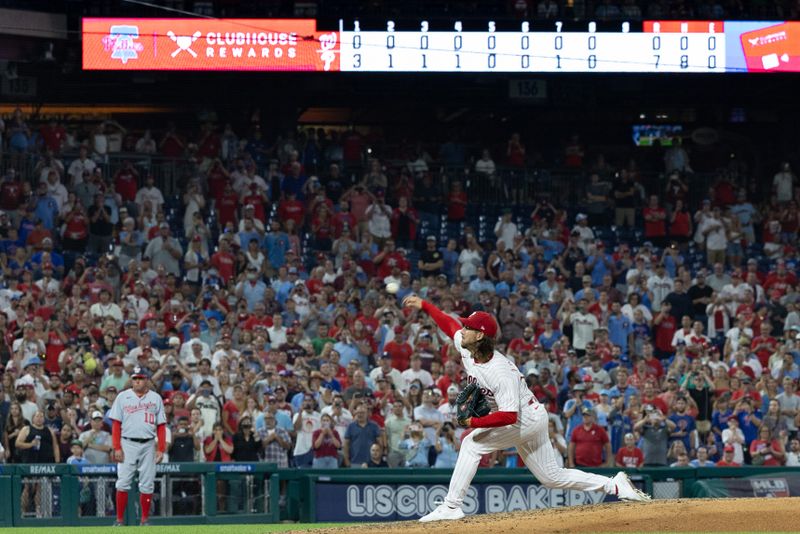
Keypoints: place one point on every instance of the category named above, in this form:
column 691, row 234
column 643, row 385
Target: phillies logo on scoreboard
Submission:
column 327, row 47
column 121, row 42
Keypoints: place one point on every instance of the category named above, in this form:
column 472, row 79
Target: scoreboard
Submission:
column 423, row 46
column 666, row 46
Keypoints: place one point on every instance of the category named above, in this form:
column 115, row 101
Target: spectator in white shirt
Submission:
column 583, row 326
column 165, row 251
column 56, row 189
column 505, row 229
column 783, row 183
column 712, row 231
column 149, row 192
column 485, row 165
column 146, row 144
column 585, row 233
column 79, row 166
column 106, row 308
column 735, row 293
column 793, row 454
column 378, row 217
column 660, row 285
column 734, row 436
column 416, row 372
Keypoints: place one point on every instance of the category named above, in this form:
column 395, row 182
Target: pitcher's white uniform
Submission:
column 140, row 417
column 506, row 390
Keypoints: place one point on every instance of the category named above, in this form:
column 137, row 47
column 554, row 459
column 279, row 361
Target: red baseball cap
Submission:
column 482, row 322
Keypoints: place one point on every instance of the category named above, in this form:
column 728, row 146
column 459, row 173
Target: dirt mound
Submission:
column 682, row 515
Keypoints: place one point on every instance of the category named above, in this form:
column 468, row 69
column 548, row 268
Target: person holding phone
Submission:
column 326, row 443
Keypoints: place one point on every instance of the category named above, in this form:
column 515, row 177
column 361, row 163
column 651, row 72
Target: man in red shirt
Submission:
column 727, row 458
column 589, row 443
column 366, row 316
column 630, row 456
column 780, row 278
column 344, row 219
column 399, row 349
column 450, row 376
column 228, row 205
column 209, row 144
column 665, row 325
column 56, row 340
column 655, row 228
column 652, row 363
column 388, row 259
column 10, row 192
column 53, row 136
column 126, row 182
column 291, row 208
column 172, row 145
column 764, row 345
column 224, row 261
column 518, row 345
column 218, row 176
column 258, row 318
column 696, row 342
column 255, row 200
column 650, row 397
column 456, row 202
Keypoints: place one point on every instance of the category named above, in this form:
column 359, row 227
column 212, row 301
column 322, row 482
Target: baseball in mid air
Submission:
column 392, row 287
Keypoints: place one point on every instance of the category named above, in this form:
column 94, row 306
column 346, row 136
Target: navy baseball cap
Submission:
column 139, row 372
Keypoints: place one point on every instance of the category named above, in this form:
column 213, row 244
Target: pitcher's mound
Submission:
column 682, row 515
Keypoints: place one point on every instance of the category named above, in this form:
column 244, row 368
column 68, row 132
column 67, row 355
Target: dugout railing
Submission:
column 185, row 493
column 50, row 495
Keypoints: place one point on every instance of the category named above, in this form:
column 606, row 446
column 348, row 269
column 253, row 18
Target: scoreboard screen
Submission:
column 519, row 47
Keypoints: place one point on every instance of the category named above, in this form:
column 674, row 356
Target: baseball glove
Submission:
column 471, row 402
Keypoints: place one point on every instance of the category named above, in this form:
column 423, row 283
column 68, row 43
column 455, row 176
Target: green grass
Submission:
column 226, row 529
column 176, row 529
column 248, row 529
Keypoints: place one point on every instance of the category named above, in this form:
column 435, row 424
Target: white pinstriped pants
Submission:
column 530, row 436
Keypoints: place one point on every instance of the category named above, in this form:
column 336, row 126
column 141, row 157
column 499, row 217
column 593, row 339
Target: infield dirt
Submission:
column 682, row 515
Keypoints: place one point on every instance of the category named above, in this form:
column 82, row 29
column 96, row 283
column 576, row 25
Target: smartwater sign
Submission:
column 395, row 502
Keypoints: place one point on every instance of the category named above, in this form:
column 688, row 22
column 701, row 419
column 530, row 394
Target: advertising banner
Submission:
column 775, row 485
column 208, row 44
column 187, row 44
column 397, row 502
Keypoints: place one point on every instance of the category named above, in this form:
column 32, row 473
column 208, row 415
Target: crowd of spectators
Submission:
column 656, row 332
column 529, row 9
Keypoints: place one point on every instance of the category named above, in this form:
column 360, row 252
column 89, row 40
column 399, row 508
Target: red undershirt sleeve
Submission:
column 161, row 431
column 448, row 325
column 494, row 420
column 116, row 435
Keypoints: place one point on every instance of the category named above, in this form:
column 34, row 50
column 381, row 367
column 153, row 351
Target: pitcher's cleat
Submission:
column 443, row 513
column 626, row 491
